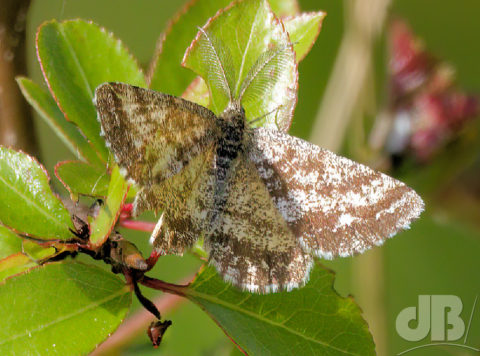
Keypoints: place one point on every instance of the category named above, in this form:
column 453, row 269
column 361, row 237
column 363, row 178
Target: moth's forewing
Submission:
column 152, row 135
column 334, row 206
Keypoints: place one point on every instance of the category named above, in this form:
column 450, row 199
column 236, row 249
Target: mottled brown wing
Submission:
column 152, row 135
column 250, row 244
column 334, row 206
column 164, row 144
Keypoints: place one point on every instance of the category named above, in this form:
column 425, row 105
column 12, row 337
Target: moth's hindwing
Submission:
column 186, row 199
column 250, row 244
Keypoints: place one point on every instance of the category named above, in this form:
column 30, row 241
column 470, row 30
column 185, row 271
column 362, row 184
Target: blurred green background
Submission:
column 439, row 255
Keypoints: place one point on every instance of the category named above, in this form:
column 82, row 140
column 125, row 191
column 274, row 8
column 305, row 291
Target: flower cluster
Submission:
column 427, row 107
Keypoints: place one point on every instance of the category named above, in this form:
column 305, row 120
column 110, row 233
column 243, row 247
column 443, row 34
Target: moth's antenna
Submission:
column 265, row 115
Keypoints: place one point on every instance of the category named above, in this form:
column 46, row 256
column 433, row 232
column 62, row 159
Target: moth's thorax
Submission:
column 232, row 124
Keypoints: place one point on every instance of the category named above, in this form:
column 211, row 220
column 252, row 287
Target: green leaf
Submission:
column 283, row 8
column 83, row 178
column 76, row 56
column 102, row 226
column 36, row 252
column 168, row 76
column 61, row 308
column 15, row 264
column 28, row 204
column 254, row 62
column 197, row 92
column 303, row 30
column 313, row 320
column 69, row 133
column 10, row 242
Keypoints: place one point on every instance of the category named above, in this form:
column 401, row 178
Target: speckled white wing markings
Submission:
column 251, row 244
column 281, row 201
column 334, row 206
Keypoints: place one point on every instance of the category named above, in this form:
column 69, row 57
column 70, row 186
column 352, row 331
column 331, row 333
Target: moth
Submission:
column 264, row 201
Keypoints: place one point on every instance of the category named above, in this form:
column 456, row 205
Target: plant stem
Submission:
column 16, row 125
column 137, row 225
column 135, row 325
column 364, row 22
column 164, row 286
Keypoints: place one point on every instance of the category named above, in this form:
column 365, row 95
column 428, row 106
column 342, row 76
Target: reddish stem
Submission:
column 134, row 325
column 127, row 208
column 137, row 225
column 164, row 286
column 153, row 258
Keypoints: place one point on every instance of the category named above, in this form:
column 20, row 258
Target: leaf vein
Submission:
column 68, row 316
column 213, row 299
column 244, row 56
column 77, row 62
column 34, row 203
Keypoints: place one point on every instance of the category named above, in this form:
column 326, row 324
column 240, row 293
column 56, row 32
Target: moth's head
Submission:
column 234, row 112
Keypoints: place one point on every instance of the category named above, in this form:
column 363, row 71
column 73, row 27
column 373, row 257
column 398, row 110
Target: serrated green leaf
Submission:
column 83, row 178
column 15, row 264
column 43, row 102
column 313, row 320
column 77, row 56
column 61, row 308
column 254, row 62
column 28, row 204
column 10, row 242
column 168, row 76
column 303, row 30
column 103, row 224
column 236, row 352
